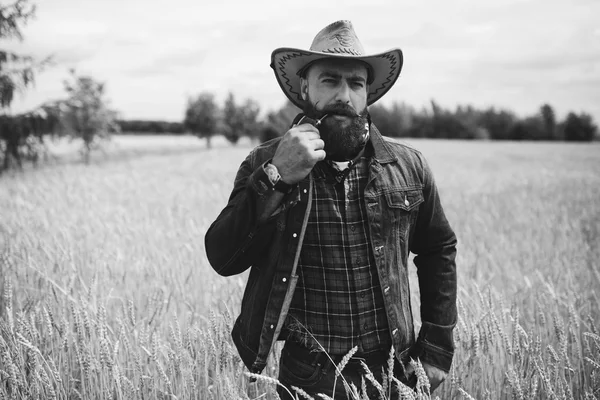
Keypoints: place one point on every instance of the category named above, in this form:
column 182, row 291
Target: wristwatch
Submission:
column 275, row 179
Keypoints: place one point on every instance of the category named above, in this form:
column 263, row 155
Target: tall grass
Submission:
column 107, row 292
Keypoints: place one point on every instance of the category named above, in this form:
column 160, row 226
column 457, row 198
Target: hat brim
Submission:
column 286, row 62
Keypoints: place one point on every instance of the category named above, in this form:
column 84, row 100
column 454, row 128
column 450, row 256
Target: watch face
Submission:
column 272, row 173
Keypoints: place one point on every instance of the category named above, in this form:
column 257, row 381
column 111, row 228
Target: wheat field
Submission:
column 107, row 293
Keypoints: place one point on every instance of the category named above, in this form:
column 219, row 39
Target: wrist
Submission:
column 277, row 183
column 279, row 166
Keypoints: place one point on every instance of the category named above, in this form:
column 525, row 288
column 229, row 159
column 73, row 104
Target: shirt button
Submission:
column 284, row 279
column 365, row 327
column 295, row 235
column 272, row 326
column 362, row 295
column 352, row 228
column 305, row 191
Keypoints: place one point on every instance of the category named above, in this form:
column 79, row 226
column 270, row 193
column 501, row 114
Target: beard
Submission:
column 343, row 141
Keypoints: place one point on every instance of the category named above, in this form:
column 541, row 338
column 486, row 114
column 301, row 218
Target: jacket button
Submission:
column 387, row 289
column 406, row 203
column 378, row 248
column 394, row 332
column 295, row 235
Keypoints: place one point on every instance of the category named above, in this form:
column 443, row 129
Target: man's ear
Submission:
column 304, row 88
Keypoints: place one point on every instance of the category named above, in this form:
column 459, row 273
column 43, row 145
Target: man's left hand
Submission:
column 435, row 375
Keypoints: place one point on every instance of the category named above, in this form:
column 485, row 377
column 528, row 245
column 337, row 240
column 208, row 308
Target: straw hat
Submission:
column 337, row 40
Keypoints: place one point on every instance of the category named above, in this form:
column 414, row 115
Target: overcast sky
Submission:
column 153, row 54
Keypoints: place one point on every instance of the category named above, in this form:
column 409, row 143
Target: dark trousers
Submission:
column 315, row 373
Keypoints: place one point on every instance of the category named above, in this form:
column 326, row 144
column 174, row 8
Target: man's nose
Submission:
column 343, row 94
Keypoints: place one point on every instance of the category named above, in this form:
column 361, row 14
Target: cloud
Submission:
column 72, row 55
column 167, row 64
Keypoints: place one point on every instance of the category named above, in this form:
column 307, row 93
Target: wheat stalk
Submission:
column 302, row 393
column 514, row 383
column 423, row 384
column 272, row 381
column 465, row 394
column 324, row 396
column 371, row 378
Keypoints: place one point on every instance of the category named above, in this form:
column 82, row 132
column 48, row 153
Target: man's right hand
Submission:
column 299, row 150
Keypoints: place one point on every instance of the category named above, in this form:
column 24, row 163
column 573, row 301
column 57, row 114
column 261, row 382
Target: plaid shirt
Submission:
column 338, row 297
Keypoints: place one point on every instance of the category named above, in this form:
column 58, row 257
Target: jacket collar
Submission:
column 382, row 151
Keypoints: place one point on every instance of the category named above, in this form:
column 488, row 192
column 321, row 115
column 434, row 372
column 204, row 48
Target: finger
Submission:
column 317, row 144
column 310, row 135
column 319, row 155
column 307, row 127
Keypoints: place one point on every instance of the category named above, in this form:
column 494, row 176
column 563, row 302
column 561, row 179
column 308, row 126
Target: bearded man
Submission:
column 325, row 218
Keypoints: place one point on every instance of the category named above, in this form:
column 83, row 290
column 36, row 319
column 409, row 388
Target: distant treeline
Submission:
column 138, row 126
column 467, row 122
column 396, row 120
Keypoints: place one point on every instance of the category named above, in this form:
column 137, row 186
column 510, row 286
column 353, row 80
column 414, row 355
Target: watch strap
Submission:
column 283, row 187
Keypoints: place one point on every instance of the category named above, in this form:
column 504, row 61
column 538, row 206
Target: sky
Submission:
column 153, row 55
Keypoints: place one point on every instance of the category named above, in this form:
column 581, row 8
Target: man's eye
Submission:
column 358, row 85
column 329, row 80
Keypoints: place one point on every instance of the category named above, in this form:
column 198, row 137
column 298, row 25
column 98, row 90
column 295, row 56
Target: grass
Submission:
column 107, row 292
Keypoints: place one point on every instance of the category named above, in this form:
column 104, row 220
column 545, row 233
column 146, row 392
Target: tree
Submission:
column 499, row 124
column 549, row 119
column 448, row 125
column 241, row 120
column 471, row 119
column 579, row 128
column 250, row 111
column 17, row 72
column 396, row 121
column 87, row 115
column 530, row 128
column 202, row 116
column 278, row 122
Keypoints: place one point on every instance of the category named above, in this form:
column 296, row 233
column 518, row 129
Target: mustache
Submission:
column 340, row 109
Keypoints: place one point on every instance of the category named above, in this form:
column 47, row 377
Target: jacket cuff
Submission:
column 260, row 181
column 435, row 346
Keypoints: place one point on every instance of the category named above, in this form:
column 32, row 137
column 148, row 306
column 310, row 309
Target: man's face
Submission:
column 339, row 89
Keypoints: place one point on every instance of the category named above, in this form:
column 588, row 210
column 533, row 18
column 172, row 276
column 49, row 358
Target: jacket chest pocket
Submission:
column 402, row 206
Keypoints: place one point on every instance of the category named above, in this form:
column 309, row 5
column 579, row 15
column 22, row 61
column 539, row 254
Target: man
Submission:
column 325, row 218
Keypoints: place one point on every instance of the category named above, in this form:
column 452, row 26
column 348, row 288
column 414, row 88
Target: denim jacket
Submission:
column 404, row 215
